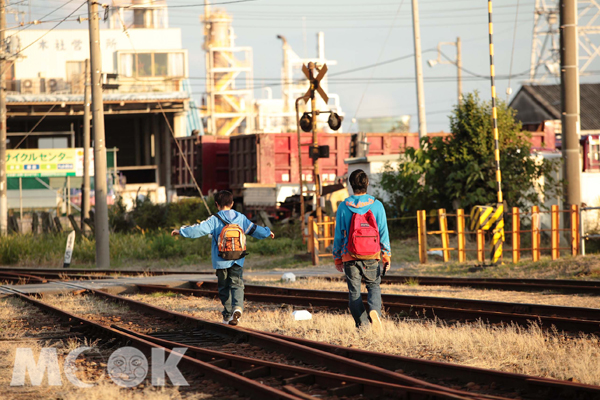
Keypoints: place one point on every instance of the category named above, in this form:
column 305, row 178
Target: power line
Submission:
column 378, row 60
column 39, row 38
column 50, row 13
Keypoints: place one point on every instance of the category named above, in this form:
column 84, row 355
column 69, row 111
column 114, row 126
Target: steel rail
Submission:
column 496, row 306
column 406, row 309
column 19, row 278
column 241, row 383
column 302, row 353
column 525, row 285
column 71, row 271
column 543, row 388
column 336, row 384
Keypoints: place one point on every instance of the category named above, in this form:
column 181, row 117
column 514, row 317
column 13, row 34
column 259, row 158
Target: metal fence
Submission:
column 571, row 220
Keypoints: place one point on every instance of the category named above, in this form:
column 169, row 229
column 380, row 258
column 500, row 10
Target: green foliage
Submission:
column 459, row 171
column 147, row 216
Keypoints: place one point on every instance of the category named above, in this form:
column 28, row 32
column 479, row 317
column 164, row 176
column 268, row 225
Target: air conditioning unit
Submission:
column 55, row 85
column 30, row 86
column 33, row 86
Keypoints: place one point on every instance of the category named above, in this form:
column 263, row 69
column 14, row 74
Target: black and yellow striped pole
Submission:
column 498, row 226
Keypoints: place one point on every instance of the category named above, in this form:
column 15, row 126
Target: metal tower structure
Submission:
column 229, row 94
column 545, row 46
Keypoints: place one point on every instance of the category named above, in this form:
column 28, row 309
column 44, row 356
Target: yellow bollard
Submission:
column 444, row 234
column 460, row 230
column 516, row 235
column 555, row 241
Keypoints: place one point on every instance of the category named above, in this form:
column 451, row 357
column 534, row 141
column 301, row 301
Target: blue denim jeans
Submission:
column 356, row 271
column 231, row 289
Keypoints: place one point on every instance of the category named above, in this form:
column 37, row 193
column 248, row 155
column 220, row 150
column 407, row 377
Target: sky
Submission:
column 361, row 33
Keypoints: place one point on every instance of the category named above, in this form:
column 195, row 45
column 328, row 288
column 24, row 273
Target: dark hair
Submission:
column 359, row 181
column 224, row 198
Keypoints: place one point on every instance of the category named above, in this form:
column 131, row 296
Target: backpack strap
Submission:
column 220, row 219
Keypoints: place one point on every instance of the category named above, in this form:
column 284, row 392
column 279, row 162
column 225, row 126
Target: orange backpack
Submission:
column 231, row 242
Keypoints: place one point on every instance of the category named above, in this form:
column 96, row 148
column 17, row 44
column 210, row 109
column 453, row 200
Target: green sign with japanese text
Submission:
column 44, row 162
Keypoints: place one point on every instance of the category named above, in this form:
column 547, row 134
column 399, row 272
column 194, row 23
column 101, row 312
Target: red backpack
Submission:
column 363, row 237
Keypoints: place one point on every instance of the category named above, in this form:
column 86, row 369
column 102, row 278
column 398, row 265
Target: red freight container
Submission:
column 271, row 158
column 209, row 161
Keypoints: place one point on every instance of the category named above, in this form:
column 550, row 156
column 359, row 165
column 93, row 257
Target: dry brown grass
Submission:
column 506, row 348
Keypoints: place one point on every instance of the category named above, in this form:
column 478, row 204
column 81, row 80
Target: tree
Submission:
column 458, row 171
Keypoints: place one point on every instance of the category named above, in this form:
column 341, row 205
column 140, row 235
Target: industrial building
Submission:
column 145, row 71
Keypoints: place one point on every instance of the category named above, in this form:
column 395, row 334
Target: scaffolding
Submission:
column 229, row 77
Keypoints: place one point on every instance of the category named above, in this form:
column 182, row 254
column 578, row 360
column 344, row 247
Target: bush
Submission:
column 147, row 216
column 459, row 171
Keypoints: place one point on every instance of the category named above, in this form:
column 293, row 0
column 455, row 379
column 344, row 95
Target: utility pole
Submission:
column 570, row 100
column 85, row 192
column 458, row 62
column 419, row 70
column 101, row 209
column 3, row 182
column 459, row 68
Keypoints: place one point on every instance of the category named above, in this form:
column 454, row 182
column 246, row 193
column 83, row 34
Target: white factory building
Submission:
column 145, row 73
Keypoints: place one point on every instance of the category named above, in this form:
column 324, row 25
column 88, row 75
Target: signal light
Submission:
column 335, row 121
column 306, row 122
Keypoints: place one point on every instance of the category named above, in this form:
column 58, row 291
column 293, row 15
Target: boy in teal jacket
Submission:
column 229, row 273
column 355, row 269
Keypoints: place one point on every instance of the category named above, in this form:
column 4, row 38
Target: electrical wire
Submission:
column 50, row 13
column 181, row 154
column 35, row 126
column 373, row 71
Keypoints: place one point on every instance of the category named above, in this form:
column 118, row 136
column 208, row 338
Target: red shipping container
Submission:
column 209, row 161
column 271, row 158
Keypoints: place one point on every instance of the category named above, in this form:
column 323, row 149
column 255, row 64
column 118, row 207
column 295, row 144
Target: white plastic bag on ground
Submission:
column 288, row 277
column 302, row 315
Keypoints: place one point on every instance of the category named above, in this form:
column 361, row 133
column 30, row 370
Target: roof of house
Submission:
column 548, row 97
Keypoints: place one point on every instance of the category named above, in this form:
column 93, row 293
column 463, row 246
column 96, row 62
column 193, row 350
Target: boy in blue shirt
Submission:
column 229, row 272
column 356, row 268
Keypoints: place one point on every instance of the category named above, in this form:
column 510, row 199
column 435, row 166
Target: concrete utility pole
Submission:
column 570, row 100
column 101, row 209
column 419, row 70
column 3, row 182
column 85, row 192
column 457, row 62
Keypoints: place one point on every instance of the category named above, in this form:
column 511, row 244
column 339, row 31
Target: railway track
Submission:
column 569, row 319
column 529, row 387
column 565, row 286
column 259, row 377
column 515, row 284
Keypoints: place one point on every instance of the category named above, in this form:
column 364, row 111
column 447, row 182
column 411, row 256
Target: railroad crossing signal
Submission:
column 306, row 122
column 315, row 81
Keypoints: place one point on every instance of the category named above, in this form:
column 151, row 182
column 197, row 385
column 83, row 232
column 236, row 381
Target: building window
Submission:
column 149, row 65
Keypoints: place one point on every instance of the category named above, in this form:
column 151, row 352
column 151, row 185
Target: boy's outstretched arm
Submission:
column 257, row 231
column 196, row 230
